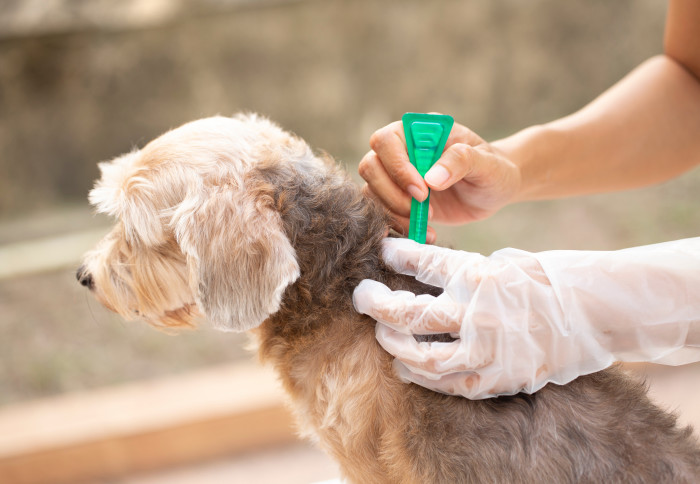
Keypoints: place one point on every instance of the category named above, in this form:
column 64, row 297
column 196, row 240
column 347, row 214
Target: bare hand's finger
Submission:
column 460, row 161
column 389, row 144
column 388, row 194
column 401, row 223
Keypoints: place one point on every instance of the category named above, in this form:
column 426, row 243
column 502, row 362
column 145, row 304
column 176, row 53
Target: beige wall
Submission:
column 78, row 89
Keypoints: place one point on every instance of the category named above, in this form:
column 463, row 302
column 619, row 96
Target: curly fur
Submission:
column 236, row 220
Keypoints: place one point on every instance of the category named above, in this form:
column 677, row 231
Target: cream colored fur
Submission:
column 229, row 255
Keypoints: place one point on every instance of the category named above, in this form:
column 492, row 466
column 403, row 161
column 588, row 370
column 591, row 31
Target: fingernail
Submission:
column 430, row 238
column 415, row 192
column 437, row 176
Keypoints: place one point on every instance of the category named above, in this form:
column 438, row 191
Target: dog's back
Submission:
column 599, row 428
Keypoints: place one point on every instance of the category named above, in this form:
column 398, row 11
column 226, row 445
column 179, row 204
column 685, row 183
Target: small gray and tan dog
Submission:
column 234, row 221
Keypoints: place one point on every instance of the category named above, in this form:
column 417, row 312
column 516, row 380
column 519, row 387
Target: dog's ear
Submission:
column 125, row 193
column 240, row 259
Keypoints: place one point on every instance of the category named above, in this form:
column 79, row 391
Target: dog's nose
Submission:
column 84, row 277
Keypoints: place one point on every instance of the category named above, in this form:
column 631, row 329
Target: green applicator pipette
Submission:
column 426, row 135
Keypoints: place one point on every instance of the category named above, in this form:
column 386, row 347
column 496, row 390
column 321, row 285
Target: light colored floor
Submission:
column 674, row 388
column 292, row 464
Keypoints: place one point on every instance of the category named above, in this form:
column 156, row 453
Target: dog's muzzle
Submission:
column 85, row 278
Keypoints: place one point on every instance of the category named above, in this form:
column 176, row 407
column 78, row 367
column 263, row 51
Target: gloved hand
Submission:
column 524, row 319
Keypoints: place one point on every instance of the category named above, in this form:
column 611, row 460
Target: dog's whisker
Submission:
column 88, row 302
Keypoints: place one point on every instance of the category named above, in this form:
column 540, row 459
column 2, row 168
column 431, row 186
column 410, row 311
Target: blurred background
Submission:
column 83, row 81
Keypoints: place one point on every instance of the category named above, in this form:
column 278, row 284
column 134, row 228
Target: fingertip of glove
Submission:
column 395, row 243
column 362, row 296
column 367, row 285
column 399, row 254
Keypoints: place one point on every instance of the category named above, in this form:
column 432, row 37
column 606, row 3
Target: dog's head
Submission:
column 196, row 233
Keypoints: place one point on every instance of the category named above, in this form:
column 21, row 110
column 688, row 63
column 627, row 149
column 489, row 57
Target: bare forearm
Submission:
column 643, row 130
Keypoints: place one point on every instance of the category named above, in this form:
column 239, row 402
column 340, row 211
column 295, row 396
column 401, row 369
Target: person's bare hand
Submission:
column 470, row 181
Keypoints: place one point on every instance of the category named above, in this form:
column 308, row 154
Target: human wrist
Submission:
column 526, row 150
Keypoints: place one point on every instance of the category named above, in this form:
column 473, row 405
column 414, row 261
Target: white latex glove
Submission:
column 524, row 319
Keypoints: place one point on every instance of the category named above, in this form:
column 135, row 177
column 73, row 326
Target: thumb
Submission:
column 457, row 162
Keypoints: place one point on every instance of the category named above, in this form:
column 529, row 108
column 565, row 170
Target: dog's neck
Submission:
column 336, row 232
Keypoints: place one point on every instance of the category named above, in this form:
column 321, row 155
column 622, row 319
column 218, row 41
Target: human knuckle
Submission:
column 471, row 136
column 491, row 176
column 461, row 151
column 378, row 138
column 366, row 166
column 384, row 136
column 400, row 174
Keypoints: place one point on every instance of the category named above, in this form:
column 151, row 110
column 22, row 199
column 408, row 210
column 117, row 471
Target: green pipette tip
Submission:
column 426, row 135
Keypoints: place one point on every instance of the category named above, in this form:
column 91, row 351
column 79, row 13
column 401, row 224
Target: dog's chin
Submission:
column 186, row 316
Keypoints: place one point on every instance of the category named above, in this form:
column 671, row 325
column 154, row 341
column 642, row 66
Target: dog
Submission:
column 235, row 221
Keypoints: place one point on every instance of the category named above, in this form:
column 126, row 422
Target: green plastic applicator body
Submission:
column 426, row 135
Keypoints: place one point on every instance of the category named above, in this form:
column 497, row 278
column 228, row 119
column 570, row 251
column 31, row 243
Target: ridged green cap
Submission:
column 426, row 135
